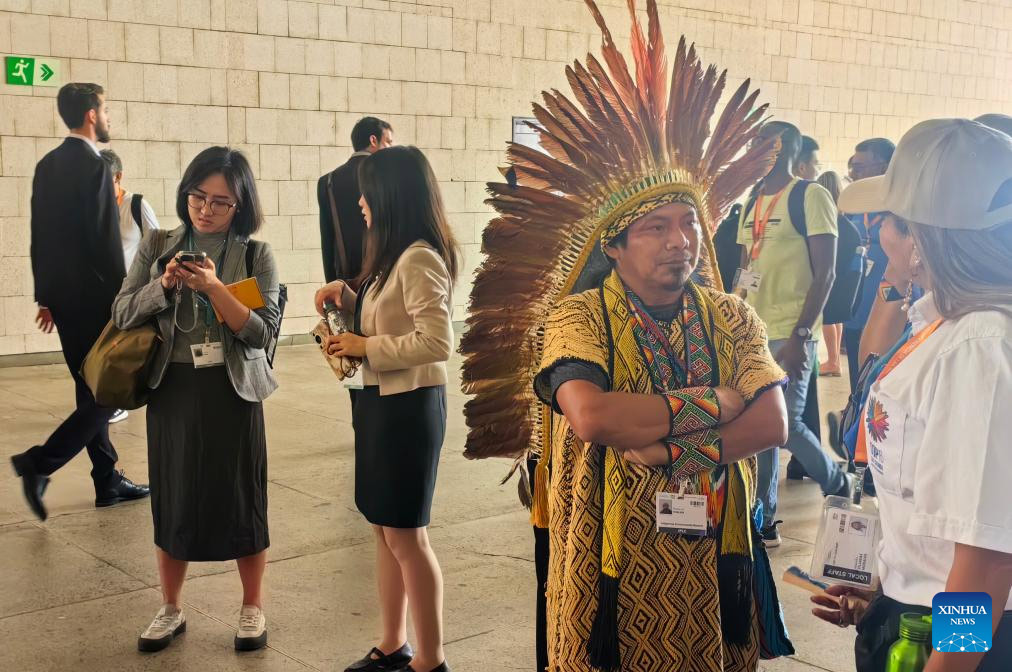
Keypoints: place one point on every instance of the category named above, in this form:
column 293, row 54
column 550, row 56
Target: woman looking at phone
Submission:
column 207, row 452
column 404, row 337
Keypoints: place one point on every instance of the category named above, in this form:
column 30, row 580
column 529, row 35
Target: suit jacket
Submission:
column 408, row 323
column 344, row 182
column 77, row 257
column 143, row 297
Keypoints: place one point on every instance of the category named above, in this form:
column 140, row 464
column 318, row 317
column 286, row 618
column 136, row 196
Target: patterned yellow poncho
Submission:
column 668, row 607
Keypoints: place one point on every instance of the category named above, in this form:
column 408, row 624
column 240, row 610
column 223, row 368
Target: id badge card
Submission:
column 354, row 382
column 681, row 514
column 747, row 280
column 845, row 547
column 207, row 354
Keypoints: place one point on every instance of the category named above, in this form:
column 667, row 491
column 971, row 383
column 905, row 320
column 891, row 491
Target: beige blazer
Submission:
column 409, row 324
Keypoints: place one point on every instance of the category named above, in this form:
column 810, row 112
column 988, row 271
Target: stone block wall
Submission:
column 285, row 80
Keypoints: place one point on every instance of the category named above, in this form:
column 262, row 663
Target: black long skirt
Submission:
column 207, row 461
column 397, row 443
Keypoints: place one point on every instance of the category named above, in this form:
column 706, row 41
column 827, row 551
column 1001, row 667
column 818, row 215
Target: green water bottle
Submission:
column 910, row 652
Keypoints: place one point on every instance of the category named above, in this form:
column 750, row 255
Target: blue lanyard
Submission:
column 205, row 303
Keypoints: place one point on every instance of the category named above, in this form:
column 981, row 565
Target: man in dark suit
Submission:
column 77, row 263
column 342, row 226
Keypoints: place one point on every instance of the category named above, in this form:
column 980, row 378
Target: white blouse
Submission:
column 939, row 431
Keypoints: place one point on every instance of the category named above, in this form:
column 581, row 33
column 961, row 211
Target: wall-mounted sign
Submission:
column 30, row 71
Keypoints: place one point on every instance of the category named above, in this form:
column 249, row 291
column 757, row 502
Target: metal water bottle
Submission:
column 910, row 652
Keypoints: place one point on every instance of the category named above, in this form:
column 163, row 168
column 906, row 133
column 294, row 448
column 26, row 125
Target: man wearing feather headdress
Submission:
column 652, row 381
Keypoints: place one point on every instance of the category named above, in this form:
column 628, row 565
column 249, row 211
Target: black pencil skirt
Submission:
column 397, row 443
column 207, row 461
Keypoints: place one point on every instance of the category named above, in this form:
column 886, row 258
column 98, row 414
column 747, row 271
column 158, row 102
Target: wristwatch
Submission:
column 804, row 333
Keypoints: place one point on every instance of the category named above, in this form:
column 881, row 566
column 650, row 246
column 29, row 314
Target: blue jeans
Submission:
column 802, row 443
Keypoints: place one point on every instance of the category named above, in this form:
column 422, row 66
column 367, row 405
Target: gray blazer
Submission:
column 142, row 298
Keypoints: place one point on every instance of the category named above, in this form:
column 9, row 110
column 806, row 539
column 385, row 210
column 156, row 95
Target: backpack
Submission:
column 851, row 261
column 272, row 344
column 135, row 210
column 726, row 247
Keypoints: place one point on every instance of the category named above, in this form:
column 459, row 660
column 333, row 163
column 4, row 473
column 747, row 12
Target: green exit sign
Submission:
column 30, row 71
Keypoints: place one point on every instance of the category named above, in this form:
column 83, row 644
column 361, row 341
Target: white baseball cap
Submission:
column 944, row 173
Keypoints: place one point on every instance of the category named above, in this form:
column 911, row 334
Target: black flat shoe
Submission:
column 442, row 667
column 33, row 484
column 393, row 662
column 122, row 490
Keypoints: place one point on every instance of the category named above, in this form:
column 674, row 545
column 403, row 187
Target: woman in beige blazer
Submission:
column 404, row 336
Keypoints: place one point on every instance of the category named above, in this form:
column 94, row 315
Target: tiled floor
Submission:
column 76, row 590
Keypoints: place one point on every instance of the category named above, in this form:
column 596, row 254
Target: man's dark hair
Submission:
column 233, row 166
column 365, row 128
column 808, row 146
column 881, row 148
column 618, row 241
column 790, row 138
column 112, row 160
column 75, row 100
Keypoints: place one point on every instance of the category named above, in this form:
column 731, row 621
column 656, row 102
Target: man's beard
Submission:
column 678, row 283
column 102, row 133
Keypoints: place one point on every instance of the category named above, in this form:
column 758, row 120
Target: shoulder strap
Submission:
column 135, row 209
column 342, row 255
column 250, row 253
column 749, row 204
column 796, row 206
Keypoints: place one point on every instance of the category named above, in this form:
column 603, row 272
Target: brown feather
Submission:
column 614, row 129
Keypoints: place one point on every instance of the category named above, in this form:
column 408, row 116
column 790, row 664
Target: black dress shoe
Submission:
column 33, row 484
column 442, row 667
column 393, row 662
column 122, row 490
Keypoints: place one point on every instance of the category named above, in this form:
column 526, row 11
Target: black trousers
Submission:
column 88, row 426
column 880, row 627
column 541, row 568
column 541, row 572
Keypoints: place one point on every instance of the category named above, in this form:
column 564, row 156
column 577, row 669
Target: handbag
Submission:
column 116, row 367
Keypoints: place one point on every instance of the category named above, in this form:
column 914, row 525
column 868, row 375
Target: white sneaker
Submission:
column 252, row 633
column 168, row 623
column 120, row 414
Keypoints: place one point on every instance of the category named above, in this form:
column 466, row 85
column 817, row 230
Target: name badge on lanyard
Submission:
column 846, row 544
column 679, row 513
column 207, row 354
column 747, row 280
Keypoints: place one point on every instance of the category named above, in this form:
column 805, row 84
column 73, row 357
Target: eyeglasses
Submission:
column 216, row 208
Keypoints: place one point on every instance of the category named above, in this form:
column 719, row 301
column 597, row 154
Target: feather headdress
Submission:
column 627, row 145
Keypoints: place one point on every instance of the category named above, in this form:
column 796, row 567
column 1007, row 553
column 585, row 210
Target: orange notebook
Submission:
column 248, row 293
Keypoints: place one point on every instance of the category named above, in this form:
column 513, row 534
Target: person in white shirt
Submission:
column 136, row 218
column 938, row 420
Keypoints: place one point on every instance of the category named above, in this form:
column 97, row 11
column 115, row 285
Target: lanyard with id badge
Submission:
column 209, row 353
column 746, row 279
column 849, row 533
column 682, row 513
